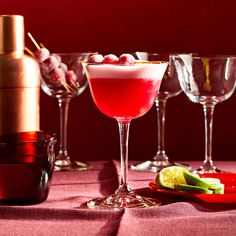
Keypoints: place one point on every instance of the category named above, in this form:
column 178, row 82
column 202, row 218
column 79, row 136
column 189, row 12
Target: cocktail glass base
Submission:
column 68, row 165
column 156, row 166
column 120, row 201
column 207, row 168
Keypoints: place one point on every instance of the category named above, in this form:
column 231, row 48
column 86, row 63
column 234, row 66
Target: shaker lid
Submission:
column 11, row 33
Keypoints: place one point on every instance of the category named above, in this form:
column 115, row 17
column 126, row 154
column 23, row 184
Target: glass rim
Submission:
column 209, row 56
column 73, row 53
column 164, row 53
column 9, row 142
column 137, row 62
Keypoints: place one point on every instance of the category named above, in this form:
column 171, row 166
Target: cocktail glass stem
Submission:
column 124, row 137
column 161, row 111
column 160, row 160
column 63, row 159
column 208, row 166
column 123, row 196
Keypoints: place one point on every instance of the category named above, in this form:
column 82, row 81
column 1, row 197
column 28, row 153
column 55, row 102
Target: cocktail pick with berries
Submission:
column 50, row 63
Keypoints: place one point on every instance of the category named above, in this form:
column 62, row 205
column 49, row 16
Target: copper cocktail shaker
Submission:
column 19, row 79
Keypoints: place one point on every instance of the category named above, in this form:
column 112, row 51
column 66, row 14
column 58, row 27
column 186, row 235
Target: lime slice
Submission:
column 215, row 185
column 191, row 179
column 220, row 189
column 192, row 189
column 213, row 182
column 169, row 176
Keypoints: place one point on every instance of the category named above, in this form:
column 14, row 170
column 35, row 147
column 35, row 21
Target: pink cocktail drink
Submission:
column 125, row 92
column 126, row 98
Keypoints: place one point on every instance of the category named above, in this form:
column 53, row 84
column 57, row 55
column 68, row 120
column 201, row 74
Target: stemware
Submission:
column 169, row 88
column 207, row 80
column 63, row 78
column 124, row 92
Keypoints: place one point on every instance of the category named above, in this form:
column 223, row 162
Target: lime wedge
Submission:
column 170, row 176
column 191, row 179
column 213, row 182
column 192, row 189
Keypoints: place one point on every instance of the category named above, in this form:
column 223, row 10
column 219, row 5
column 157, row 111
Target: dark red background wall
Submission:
column 125, row 26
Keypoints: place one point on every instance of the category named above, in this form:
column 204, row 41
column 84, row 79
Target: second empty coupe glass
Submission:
column 207, row 80
column 169, row 88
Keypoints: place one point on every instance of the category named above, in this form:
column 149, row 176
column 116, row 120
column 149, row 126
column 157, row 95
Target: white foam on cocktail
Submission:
column 144, row 71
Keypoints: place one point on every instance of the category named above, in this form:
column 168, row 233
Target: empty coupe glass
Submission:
column 169, row 88
column 63, row 78
column 208, row 81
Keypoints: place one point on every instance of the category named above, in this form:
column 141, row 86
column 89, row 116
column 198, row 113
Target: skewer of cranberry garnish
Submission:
column 51, row 66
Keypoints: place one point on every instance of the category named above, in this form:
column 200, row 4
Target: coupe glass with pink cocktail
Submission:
column 124, row 91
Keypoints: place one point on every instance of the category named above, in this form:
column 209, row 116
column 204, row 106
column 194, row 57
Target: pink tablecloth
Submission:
column 65, row 212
